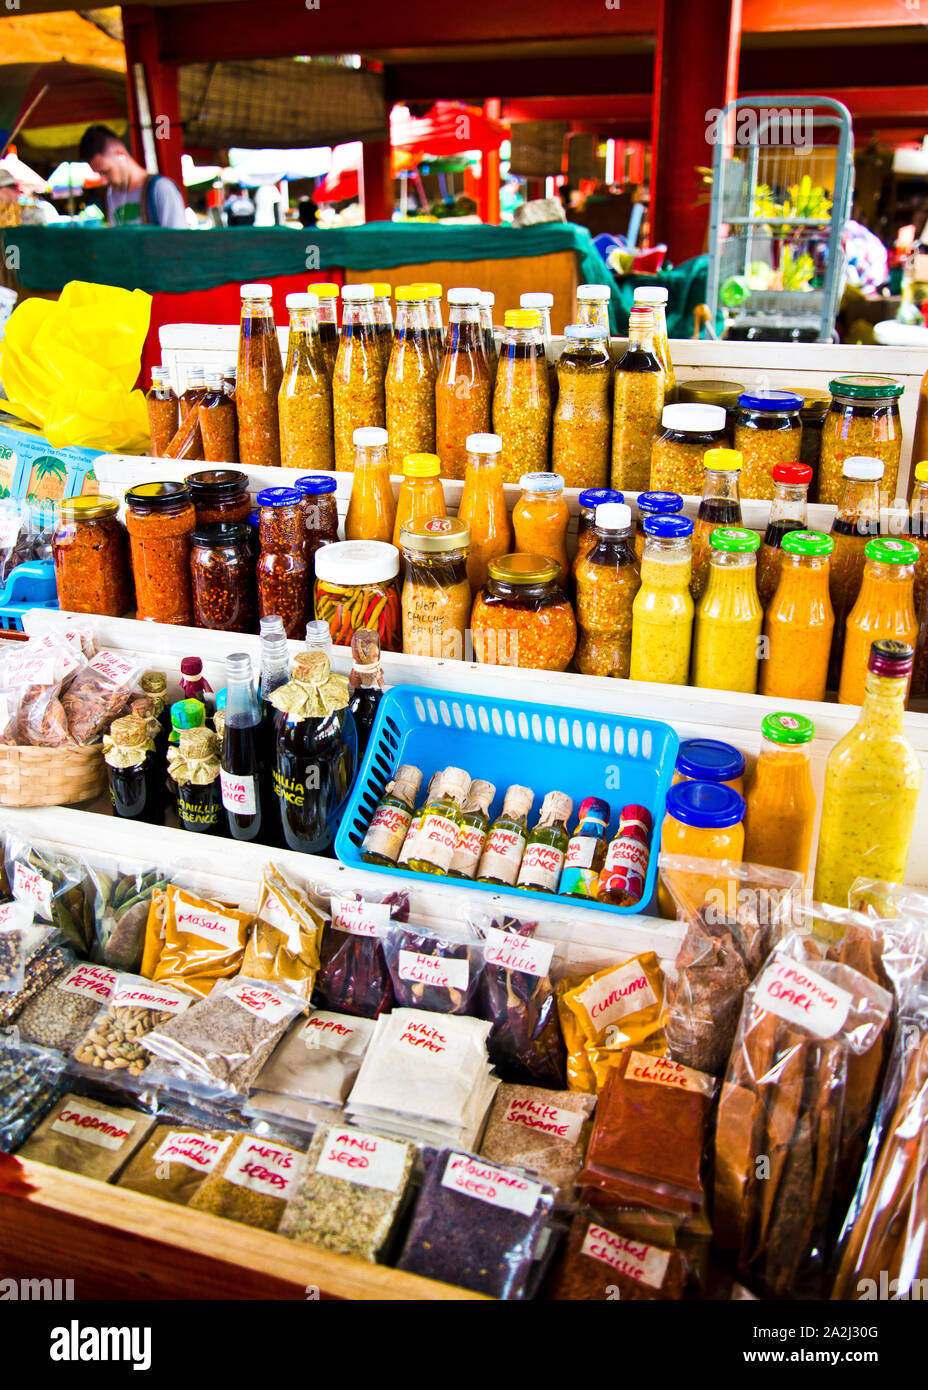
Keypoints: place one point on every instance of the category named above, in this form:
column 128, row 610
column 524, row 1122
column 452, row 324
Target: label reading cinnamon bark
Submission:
column 800, row 995
column 437, row 971
column 94, row 1124
column 664, row 1072
column 646, row 1264
column 545, row 1119
column 625, row 990
column 197, row 1151
column 502, row 855
column 361, row 1158
column 514, row 952
column 541, row 867
column 238, row 793
column 264, row 1167
column 468, row 850
column 359, row 918
column 387, row 831
column 436, row 841
column 474, row 1178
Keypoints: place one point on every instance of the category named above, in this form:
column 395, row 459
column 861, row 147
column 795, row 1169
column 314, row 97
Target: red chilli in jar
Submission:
column 160, row 518
column 219, row 495
column 283, row 574
column 320, row 514
column 223, row 577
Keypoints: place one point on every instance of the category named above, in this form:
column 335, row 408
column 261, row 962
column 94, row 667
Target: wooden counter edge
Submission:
column 166, row 1234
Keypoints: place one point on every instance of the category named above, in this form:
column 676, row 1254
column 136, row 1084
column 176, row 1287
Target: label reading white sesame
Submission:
column 437, row 971
column 625, row 990
column 794, row 992
column 545, row 1119
column 198, row 1151
column 264, row 1167
column 360, row 918
column 361, row 1158
column 238, row 793
column 93, row 1124
column 646, row 1264
column 474, row 1178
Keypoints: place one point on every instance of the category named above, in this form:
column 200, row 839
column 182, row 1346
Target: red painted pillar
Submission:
column 488, row 199
column 140, row 28
column 376, row 181
column 695, row 70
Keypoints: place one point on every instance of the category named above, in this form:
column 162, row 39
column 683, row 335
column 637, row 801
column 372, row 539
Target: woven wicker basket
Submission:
column 51, row 776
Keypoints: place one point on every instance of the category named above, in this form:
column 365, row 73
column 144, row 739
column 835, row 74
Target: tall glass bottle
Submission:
column 483, row 507
column 884, row 609
column 918, row 532
column 789, row 511
column 163, row 411
column 243, row 794
column 305, row 399
column 607, row 582
column 275, row 672
column 371, row 506
column 327, row 320
column 487, row 304
column 463, row 388
column 663, row 611
column 729, row 617
column 409, row 387
column 654, row 297
column 546, row 847
column 521, row 397
column 195, row 390
column 505, row 844
column 720, row 505
column 260, row 372
column 357, row 381
column 365, row 682
column 872, row 780
column 857, row 521
column 638, row 401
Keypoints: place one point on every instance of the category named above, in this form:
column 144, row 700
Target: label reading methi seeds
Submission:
column 545, row 1119
column 337, row 1033
column 198, row 1151
column 362, row 1158
column 359, row 918
column 502, row 855
column 139, row 995
column 94, row 1124
column 474, row 1178
column 625, row 990
column 30, row 887
column 214, row 926
column 261, row 1000
column 436, row 840
column 662, row 1071
column 646, row 1264
column 94, row 981
column 238, row 793
column 800, row 995
column 437, row 971
column 520, row 953
column 387, row 831
column 541, row 867
column 264, row 1167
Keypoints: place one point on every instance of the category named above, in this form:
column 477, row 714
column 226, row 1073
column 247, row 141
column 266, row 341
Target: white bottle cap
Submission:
column 358, row 294
column 602, row 292
column 370, row 437
column 466, row 296
column 302, row 301
column 863, row 469
column 697, row 419
column 488, row 298
column 483, row 444
column 535, row 299
column 357, row 562
column 256, row 292
column 613, row 516
column 651, row 294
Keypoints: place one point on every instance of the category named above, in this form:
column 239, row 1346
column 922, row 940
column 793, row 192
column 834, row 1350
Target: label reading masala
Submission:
column 214, row 926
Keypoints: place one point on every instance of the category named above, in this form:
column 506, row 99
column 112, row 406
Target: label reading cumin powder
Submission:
column 474, row 1178
column 362, row 1158
column 643, row 1263
column 197, row 1151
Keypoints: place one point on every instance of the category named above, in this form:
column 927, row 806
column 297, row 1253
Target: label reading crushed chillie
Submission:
column 794, row 992
column 646, row 1264
column 94, row 1124
column 474, row 1178
column 362, row 1158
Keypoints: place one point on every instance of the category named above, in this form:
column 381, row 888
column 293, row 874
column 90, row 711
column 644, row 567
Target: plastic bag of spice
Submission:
column 31, row 1081
column 252, row 1182
column 203, row 940
column 9, row 713
column 435, row 970
column 60, row 1015
column 622, row 1006
column 113, row 1049
column 37, row 673
column 121, row 903
column 311, row 1073
column 778, row 1128
column 54, row 886
column 15, row 921
column 734, row 914
column 284, row 942
column 477, row 1225
column 517, row 996
column 601, row 1260
column 221, row 1044
column 544, row 1131
column 353, row 975
column 88, row 1137
column 175, row 1161
column 97, row 694
column 45, row 958
column 350, row 1192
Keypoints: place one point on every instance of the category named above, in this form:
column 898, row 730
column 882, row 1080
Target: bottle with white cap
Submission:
column 483, row 507
column 358, row 379
column 607, row 582
column 372, row 506
column 163, row 411
column 521, row 398
column 544, row 303
column 305, row 401
column 260, row 372
column 218, row 425
column 677, row 454
column 410, row 381
column 440, row 826
column 856, row 522
column 593, row 306
column 654, row 297
column 464, row 386
column 638, row 400
column 546, row 847
column 582, row 427
column 195, row 390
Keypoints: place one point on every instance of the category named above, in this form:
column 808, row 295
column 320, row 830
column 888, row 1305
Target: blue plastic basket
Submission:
column 546, row 747
column 30, row 585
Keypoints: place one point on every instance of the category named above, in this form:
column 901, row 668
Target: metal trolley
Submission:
column 782, row 184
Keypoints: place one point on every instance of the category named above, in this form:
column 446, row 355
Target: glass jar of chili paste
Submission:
column 89, row 546
column 522, row 617
column 219, row 495
column 283, row 585
column 222, row 574
column 320, row 514
column 160, row 518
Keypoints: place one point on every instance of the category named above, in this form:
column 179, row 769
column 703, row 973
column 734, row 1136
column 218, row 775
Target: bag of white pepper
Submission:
column 217, row 1047
column 60, row 1016
column 114, row 1047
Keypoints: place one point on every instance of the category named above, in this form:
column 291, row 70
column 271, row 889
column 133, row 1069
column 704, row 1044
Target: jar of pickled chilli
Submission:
column 219, row 495
column 677, row 455
column 222, row 576
column 710, row 760
column 463, row 390
column 436, row 590
column 305, row 399
column 729, row 617
column 662, row 612
column 327, row 323
column 587, row 502
column 218, row 423
column 862, row 420
column 637, row 404
column 521, row 398
column 582, row 426
column 703, row 820
column 522, row 617
column 163, row 411
column 788, row 512
column 357, row 587
column 857, row 521
column 884, row 610
column 799, row 621
column 607, row 582
column 654, row 504
column 283, row 586
column 260, row 372
column 320, row 515
column 768, row 432
column 358, row 377
column 706, row 391
column 421, row 494
column 540, row 519
column 409, row 386
column 654, row 297
column 593, row 307
column 372, row 506
column 483, row 507
column 160, row 519
column 90, row 551
column 720, row 505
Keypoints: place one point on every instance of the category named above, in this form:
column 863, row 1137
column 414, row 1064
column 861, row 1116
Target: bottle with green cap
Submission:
column 885, row 607
column 919, row 535
column 800, row 621
column 726, row 639
column 780, row 800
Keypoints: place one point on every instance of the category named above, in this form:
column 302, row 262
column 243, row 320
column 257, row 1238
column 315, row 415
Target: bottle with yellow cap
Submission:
column 304, row 403
column 463, row 388
column 327, row 321
column 409, row 388
column 521, row 399
column 433, row 292
column 720, row 505
column 421, row 494
column 383, row 320
column 919, row 535
column 357, row 383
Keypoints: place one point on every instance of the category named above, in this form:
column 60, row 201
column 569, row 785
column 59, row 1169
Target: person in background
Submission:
column 19, row 208
column 239, row 208
column 133, row 196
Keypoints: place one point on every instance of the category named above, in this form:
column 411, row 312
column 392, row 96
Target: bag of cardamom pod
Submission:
column 113, row 1048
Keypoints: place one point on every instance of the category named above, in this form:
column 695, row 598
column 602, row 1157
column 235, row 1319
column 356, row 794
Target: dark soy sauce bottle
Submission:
column 366, row 685
column 243, row 789
column 133, row 776
column 317, row 753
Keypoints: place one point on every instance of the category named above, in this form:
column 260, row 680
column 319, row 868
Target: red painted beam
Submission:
column 520, row 77
column 376, row 181
column 586, row 108
column 871, row 104
column 768, row 16
column 853, row 65
column 140, row 28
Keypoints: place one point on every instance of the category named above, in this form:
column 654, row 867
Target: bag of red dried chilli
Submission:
column 353, row 974
column 517, row 996
column 439, row 971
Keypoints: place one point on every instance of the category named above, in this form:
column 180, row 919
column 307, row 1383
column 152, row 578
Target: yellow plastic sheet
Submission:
column 69, row 366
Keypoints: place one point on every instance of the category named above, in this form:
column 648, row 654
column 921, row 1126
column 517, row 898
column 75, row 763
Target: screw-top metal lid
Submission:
column 483, row 444
column 891, row 658
column 318, row 636
column 891, row 552
column 659, row 503
column 435, row 534
column 734, row 540
column 866, row 388
column 522, row 568
column 706, row 391
column 807, row 543
column 787, row 728
column 216, row 482
column 91, row 507
column 315, row 484
column 518, row 801
column 155, row 497
column 863, row 469
column 272, row 626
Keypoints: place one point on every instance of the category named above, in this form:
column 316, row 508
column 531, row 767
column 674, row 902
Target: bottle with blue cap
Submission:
column 305, row 400
column 582, row 423
column 283, row 586
column 703, row 820
column 662, row 614
column 768, row 431
column 710, row 760
column 654, row 504
column 607, row 582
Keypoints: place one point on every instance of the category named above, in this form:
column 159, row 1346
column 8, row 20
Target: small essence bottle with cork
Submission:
column 505, row 843
column 392, row 818
column 475, row 822
column 546, row 849
column 437, row 836
column 409, row 844
column 586, row 852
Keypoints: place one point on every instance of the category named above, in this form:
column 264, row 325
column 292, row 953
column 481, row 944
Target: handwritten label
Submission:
column 89, row 980
column 474, row 1178
column 625, row 990
column 275, row 912
column 520, row 953
column 115, row 667
column 29, row 886
column 625, row 852
column 94, row 1124
column 362, row 1158
column 436, row 971
column 30, row 670
column 238, row 793
column 800, row 995
column 139, row 995
column 541, row 867
column 337, row 1033
column 387, row 831
column 467, row 851
column 436, row 841
column 264, row 1167
column 425, row 1041
column 646, row 1264
column 502, row 855
column 261, row 1000
column 545, row 1119
column 580, row 852
column 11, row 915
column 198, row 1151
column 664, row 1072
column 359, row 918
column 214, row 926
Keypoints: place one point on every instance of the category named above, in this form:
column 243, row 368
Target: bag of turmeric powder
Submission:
column 284, row 944
column 204, row 941
column 602, row 1015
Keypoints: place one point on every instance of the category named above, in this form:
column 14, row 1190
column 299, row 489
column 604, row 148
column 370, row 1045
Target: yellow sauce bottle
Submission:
column 729, row 618
column 662, row 613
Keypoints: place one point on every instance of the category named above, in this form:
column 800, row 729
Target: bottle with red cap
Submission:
column 586, row 850
column 789, row 511
column 626, row 867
